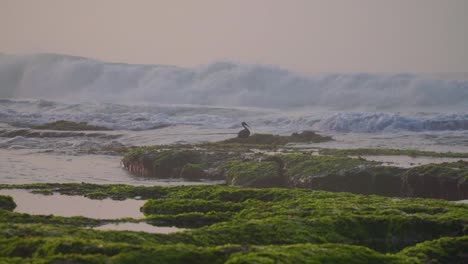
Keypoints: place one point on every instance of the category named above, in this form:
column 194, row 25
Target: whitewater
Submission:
column 162, row 104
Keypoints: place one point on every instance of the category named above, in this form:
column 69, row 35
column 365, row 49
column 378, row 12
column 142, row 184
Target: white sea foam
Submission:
column 221, row 95
column 59, row 77
column 24, row 113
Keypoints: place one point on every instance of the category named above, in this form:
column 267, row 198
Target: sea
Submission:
column 164, row 104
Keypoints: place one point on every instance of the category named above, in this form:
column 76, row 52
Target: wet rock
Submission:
column 268, row 139
column 254, row 174
column 193, row 172
column 7, row 203
column 443, row 181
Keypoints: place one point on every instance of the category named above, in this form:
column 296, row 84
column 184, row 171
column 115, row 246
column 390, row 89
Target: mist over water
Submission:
column 157, row 104
column 60, row 77
column 221, row 95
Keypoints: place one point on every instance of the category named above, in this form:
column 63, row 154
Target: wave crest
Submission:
column 60, row 77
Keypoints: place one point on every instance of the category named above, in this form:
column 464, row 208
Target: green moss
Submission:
column 69, row 125
column 446, row 180
column 309, row 253
column 307, row 165
column 189, row 220
column 176, row 206
column 7, row 203
column 6, row 217
column 446, row 250
column 220, row 215
column 43, row 192
column 95, row 191
column 254, row 174
column 193, row 172
column 448, row 170
column 173, row 163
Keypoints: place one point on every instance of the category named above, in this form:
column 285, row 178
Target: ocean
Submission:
column 160, row 104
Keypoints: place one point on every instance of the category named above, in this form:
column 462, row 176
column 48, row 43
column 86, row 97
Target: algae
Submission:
column 446, row 180
column 7, row 203
column 446, row 250
column 241, row 225
column 268, row 139
column 288, row 216
column 257, row 174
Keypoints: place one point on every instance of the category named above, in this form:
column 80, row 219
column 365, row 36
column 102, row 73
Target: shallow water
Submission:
column 446, row 141
column 407, row 161
column 68, row 206
column 26, row 166
column 139, row 227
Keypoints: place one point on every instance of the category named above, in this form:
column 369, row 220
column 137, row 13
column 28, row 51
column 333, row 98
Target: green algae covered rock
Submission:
column 310, row 253
column 185, row 162
column 69, row 126
column 254, row 174
column 160, row 163
column 300, row 216
column 268, row 139
column 193, row 172
column 446, row 250
column 7, row 203
column 444, row 181
column 245, row 225
column 340, row 173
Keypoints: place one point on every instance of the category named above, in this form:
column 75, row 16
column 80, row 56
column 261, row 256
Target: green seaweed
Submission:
column 446, row 180
column 221, row 215
column 7, row 203
column 254, row 174
column 446, row 250
column 310, row 253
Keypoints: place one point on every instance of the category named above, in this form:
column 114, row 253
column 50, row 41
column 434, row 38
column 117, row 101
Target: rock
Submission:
column 194, row 172
column 268, row 139
column 7, row 203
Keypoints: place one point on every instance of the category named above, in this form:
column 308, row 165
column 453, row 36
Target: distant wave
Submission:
column 390, row 122
column 27, row 113
column 68, row 78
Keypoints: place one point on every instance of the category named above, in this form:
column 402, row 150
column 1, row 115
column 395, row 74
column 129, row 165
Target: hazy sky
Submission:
column 302, row 35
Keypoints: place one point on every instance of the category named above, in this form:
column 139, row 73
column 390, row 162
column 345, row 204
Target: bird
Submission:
column 244, row 133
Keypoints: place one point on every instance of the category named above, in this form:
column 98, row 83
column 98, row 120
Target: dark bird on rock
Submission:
column 244, row 133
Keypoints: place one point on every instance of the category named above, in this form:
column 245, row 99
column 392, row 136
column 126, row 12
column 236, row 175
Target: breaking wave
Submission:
column 29, row 113
column 391, row 122
column 77, row 79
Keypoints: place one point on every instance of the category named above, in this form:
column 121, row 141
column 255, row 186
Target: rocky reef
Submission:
column 274, row 140
column 243, row 225
column 7, row 203
column 259, row 162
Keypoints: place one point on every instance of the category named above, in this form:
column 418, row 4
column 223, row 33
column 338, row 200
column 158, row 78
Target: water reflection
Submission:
column 68, row 206
column 407, row 161
column 139, row 227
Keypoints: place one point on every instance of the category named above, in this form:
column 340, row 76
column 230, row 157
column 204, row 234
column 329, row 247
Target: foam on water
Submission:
column 146, row 117
column 221, row 95
column 59, row 77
